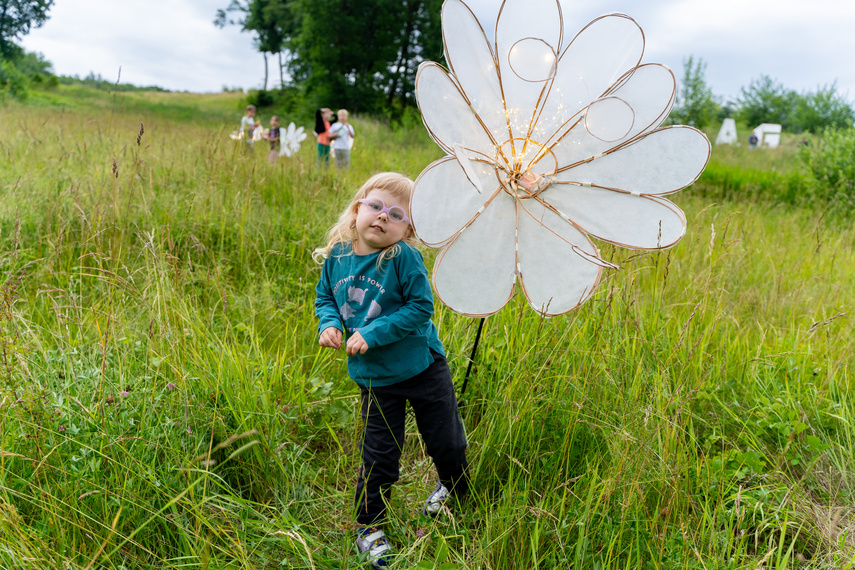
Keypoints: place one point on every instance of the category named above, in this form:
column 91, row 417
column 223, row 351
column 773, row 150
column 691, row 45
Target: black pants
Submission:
column 431, row 395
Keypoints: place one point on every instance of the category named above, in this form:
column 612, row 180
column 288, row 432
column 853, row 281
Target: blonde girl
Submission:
column 344, row 231
column 374, row 299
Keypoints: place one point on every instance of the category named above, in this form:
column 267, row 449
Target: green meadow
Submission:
column 164, row 403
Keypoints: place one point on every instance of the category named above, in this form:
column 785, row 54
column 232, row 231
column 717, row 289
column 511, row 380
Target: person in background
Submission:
column 274, row 136
column 323, row 119
column 342, row 136
column 247, row 127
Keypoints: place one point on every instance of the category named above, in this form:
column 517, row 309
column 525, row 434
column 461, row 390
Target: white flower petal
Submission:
column 662, row 162
column 445, row 201
column 528, row 37
column 593, row 62
column 446, row 114
column 473, row 64
column 474, row 275
column 638, row 222
column 648, row 90
column 603, row 51
column 609, row 119
column 554, row 277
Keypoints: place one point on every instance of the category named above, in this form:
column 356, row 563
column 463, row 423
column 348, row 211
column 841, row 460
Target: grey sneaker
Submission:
column 373, row 546
column 435, row 500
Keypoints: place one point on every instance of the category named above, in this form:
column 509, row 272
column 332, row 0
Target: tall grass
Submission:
column 164, row 403
column 805, row 170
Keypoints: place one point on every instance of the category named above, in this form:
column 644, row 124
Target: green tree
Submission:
column 822, row 110
column 766, row 101
column 362, row 54
column 17, row 18
column 696, row 104
column 268, row 19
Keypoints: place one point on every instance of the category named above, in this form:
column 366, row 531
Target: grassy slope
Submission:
column 164, row 403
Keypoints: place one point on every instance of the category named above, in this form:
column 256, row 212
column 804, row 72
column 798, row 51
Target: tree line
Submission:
column 764, row 100
column 360, row 54
column 18, row 68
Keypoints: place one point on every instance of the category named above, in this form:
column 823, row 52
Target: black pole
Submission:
column 472, row 356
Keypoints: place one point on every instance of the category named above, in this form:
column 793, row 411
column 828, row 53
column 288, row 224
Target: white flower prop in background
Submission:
column 259, row 133
column 290, row 139
column 548, row 142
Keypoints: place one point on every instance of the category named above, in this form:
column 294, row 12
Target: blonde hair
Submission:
column 344, row 231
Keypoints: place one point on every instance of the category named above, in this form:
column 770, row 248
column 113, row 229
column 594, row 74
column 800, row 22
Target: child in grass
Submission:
column 374, row 292
column 247, row 126
column 341, row 134
column 274, row 136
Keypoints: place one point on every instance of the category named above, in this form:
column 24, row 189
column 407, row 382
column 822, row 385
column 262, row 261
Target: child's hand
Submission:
column 330, row 338
column 356, row 344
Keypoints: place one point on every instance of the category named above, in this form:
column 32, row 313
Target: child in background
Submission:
column 323, row 117
column 374, row 292
column 273, row 135
column 342, row 136
column 247, row 126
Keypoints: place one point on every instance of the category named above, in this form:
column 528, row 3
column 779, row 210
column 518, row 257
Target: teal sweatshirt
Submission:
column 391, row 307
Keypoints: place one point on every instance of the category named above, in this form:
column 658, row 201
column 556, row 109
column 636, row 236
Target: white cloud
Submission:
column 171, row 43
column 174, row 44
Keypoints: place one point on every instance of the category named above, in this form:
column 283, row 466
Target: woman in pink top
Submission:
column 323, row 117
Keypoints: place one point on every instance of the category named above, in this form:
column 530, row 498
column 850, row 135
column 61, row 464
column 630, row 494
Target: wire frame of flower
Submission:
column 548, row 145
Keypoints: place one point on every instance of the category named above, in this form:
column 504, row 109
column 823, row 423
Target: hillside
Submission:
column 164, row 402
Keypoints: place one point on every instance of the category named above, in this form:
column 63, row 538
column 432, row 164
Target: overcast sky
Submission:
column 174, row 44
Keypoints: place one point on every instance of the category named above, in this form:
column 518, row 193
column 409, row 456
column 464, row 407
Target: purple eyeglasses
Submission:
column 378, row 206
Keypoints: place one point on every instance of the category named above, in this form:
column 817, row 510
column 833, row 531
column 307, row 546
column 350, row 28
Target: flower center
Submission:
column 528, row 184
column 526, row 167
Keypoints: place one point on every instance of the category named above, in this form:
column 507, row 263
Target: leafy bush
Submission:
column 12, row 81
column 260, row 98
column 20, row 70
column 821, row 110
column 831, row 162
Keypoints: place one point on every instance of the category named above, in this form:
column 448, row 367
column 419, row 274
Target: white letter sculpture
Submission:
column 547, row 143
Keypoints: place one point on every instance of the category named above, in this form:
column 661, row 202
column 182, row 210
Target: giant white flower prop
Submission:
column 290, row 139
column 548, row 143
